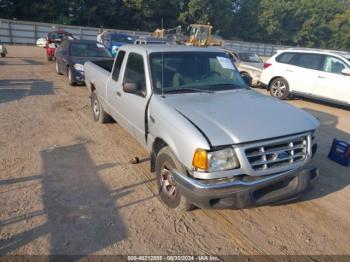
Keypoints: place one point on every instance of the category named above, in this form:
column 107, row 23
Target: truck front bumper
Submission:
column 243, row 191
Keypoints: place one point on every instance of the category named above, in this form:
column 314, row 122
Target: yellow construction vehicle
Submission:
column 201, row 35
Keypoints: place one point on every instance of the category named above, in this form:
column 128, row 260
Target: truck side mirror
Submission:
column 346, row 71
column 132, row 88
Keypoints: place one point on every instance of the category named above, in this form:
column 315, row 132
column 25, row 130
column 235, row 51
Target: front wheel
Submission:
column 71, row 80
column 279, row 88
column 169, row 192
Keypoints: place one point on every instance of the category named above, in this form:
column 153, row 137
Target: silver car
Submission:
column 212, row 140
column 249, row 64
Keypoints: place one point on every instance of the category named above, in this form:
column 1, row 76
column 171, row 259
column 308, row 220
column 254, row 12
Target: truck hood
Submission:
column 240, row 116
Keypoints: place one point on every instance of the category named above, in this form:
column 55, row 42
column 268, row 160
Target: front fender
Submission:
column 175, row 130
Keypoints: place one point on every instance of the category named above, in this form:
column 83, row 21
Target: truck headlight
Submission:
column 224, row 159
column 79, row 67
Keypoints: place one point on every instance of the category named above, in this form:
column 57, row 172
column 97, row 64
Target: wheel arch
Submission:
column 157, row 145
column 244, row 72
column 272, row 79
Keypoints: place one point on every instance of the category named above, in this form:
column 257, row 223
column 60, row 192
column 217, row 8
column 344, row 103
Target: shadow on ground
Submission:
column 333, row 177
column 25, row 61
column 82, row 216
column 11, row 90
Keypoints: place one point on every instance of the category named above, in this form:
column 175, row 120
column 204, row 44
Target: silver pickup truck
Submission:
column 213, row 141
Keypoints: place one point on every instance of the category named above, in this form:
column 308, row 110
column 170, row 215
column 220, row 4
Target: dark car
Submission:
column 72, row 54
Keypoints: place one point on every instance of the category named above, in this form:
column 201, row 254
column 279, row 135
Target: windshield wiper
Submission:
column 188, row 89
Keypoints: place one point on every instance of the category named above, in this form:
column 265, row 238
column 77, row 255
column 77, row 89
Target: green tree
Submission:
column 217, row 13
column 309, row 23
column 340, row 27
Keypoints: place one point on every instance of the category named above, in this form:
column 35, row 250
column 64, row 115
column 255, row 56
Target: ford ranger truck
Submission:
column 213, row 141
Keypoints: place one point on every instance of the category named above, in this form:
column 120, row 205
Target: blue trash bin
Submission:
column 340, row 152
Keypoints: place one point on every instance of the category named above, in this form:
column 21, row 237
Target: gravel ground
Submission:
column 67, row 185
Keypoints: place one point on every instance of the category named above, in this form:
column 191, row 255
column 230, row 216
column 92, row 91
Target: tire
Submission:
column 98, row 112
column 3, row 55
column 247, row 75
column 57, row 69
column 71, row 81
column 168, row 191
column 244, row 74
column 279, row 88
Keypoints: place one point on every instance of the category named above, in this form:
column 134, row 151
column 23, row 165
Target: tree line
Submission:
column 307, row 23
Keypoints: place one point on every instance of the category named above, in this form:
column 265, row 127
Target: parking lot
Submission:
column 67, row 184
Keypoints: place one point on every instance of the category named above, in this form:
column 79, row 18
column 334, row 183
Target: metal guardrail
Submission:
column 22, row 32
column 259, row 48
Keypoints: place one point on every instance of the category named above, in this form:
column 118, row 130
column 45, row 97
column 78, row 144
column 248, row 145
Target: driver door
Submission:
column 131, row 107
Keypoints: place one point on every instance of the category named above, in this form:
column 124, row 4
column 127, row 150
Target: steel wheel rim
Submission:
column 96, row 108
column 167, row 180
column 278, row 88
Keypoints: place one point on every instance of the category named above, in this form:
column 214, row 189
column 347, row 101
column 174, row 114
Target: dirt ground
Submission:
column 67, row 185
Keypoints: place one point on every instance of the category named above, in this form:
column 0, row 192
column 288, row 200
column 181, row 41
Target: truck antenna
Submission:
column 162, row 73
column 162, row 65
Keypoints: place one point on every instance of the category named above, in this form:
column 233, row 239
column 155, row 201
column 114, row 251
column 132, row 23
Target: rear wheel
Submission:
column 169, row 192
column 279, row 88
column 98, row 112
column 58, row 69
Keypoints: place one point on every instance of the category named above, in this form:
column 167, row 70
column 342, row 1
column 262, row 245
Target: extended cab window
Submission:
column 333, row 65
column 135, row 72
column 117, row 65
column 309, row 61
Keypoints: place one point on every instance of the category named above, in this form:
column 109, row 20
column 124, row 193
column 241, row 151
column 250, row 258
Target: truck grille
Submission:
column 278, row 154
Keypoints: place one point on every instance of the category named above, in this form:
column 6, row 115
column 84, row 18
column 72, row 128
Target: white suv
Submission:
column 319, row 74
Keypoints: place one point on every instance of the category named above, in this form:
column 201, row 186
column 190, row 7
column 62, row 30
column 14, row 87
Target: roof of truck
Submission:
column 169, row 48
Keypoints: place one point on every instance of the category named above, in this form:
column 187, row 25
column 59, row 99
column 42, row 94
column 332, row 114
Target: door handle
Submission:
column 322, row 77
column 288, row 70
column 118, row 93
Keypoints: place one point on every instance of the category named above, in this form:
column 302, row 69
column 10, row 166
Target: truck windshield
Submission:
column 193, row 71
column 88, row 50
